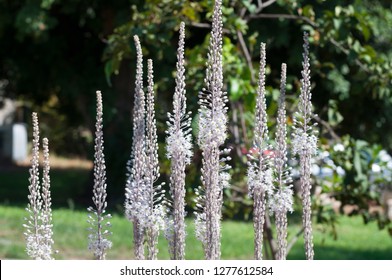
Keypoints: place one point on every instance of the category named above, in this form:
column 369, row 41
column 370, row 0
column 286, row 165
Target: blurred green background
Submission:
column 54, row 55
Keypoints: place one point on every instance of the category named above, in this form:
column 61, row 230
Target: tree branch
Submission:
column 328, row 127
column 262, row 5
column 284, row 16
column 248, row 58
column 235, row 130
column 206, row 26
column 347, row 52
column 243, row 124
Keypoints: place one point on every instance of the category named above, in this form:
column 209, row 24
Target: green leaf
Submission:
column 109, row 71
column 308, row 11
column 190, row 13
column 365, row 31
column 338, row 10
column 235, row 93
column 251, row 7
column 337, row 23
column 334, row 117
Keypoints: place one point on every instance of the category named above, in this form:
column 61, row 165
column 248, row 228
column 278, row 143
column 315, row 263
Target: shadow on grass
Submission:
column 68, row 186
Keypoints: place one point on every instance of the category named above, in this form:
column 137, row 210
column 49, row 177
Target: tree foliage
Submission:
column 55, row 54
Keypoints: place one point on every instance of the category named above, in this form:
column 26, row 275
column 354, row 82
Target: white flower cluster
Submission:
column 282, row 200
column 259, row 171
column 158, row 217
column 179, row 139
column 156, row 209
column 304, row 143
column 179, row 151
column 224, row 180
column 212, row 99
column 153, row 215
column 98, row 243
column 39, row 228
column 200, row 214
column 212, row 127
column 304, row 140
column 179, row 144
column 135, row 191
column 37, row 248
column 46, row 214
column 145, row 203
column 168, row 231
column 259, row 181
column 201, row 228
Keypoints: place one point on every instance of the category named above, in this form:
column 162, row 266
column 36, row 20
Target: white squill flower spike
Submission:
column 156, row 210
column 38, row 226
column 98, row 242
column 179, row 151
column 135, row 191
column 305, row 146
column 259, row 165
column 281, row 200
column 212, row 135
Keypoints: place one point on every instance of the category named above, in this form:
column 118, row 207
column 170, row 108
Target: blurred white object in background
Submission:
column 7, row 110
column 14, row 141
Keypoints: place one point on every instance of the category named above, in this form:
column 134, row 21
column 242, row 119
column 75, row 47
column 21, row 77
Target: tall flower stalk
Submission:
column 38, row 227
column 259, row 166
column 305, row 145
column 98, row 242
column 32, row 234
column 211, row 136
column 46, row 215
column 156, row 210
column 179, row 151
column 136, row 199
column 282, row 199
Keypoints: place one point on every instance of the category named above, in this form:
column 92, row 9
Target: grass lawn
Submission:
column 355, row 240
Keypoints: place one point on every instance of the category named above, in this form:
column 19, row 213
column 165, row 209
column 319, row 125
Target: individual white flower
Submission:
column 384, row 156
column 376, row 168
column 339, row 147
column 340, row 171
